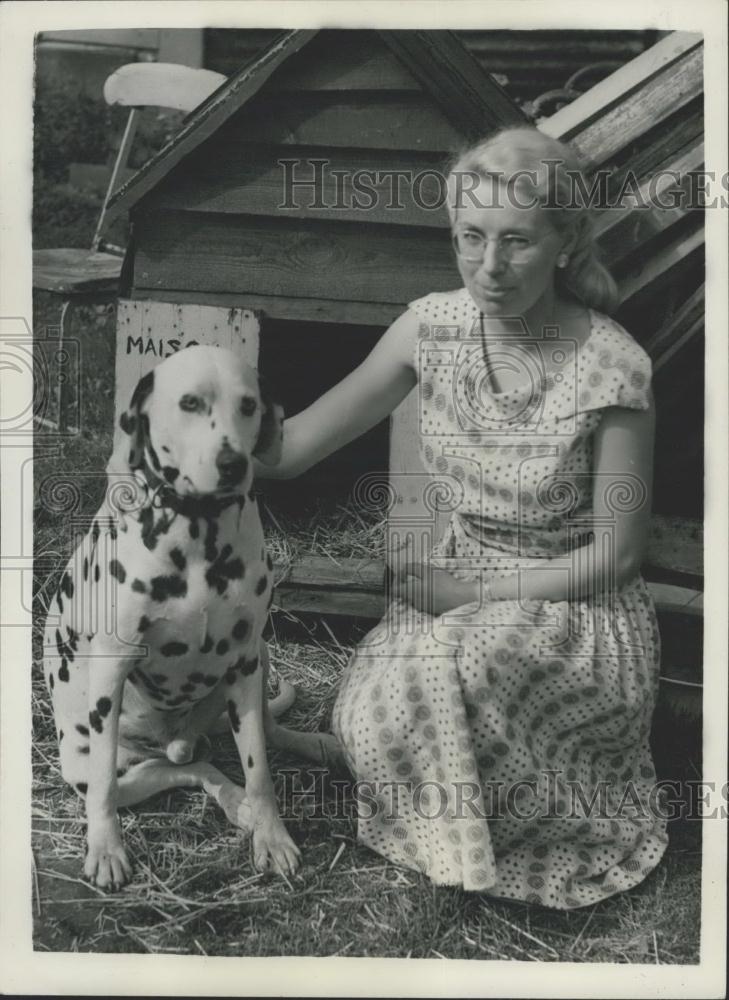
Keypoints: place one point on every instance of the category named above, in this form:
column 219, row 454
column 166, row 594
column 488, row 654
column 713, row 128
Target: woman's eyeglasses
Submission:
column 513, row 247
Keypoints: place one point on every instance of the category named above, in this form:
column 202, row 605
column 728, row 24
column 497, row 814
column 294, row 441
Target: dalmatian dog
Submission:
column 155, row 630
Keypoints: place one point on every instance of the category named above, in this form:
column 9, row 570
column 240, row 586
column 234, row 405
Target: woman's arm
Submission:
column 362, row 399
column 623, row 470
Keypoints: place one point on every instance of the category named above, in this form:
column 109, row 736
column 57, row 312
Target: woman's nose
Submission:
column 493, row 259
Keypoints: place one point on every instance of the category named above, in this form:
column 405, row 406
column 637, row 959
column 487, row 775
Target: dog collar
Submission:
column 163, row 496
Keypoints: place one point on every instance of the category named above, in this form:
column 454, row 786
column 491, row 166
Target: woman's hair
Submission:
column 555, row 176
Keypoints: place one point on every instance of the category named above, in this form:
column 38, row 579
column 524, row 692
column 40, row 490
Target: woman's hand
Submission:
column 432, row 590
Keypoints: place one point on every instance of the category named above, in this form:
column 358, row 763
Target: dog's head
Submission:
column 196, row 420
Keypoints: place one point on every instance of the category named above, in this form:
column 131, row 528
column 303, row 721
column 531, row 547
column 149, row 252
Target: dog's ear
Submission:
column 270, row 436
column 135, row 424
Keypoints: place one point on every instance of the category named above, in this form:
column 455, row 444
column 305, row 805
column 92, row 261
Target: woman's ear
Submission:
column 135, row 424
column 270, row 435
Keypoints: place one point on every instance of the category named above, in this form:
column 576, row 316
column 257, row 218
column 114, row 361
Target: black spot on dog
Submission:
column 84, row 749
column 59, row 602
column 176, row 701
column 82, row 729
column 95, row 721
column 144, row 624
column 95, row 532
column 63, row 674
column 120, row 772
column 269, row 562
column 250, row 761
column 138, row 586
column 187, row 688
column 128, row 423
column 230, row 675
column 168, row 586
column 178, row 558
column 248, row 667
column 82, row 787
column 174, row 648
column 73, row 637
column 234, row 717
column 112, row 531
column 104, row 707
column 170, row 473
column 67, row 585
column 240, row 629
column 222, row 648
column 224, row 569
column 207, row 644
column 194, row 529
column 165, row 449
column 211, row 549
column 156, row 464
column 97, row 573
column 60, row 735
column 159, row 678
column 86, row 567
column 196, row 677
column 261, row 585
column 210, row 681
column 51, row 681
column 117, row 570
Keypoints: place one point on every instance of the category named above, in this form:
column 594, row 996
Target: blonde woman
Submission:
column 501, row 740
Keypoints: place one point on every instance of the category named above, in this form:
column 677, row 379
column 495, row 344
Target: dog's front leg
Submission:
column 106, row 862
column 271, row 841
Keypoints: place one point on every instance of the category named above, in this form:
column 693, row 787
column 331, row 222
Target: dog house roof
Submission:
column 473, row 100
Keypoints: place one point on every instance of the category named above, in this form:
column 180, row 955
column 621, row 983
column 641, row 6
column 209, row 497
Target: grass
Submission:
column 195, row 890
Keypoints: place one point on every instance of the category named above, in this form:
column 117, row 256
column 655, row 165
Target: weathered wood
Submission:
column 344, row 60
column 355, row 588
column 232, row 181
column 683, row 326
column 623, row 231
column 455, row 80
column 375, row 314
column 76, row 272
column 147, row 332
column 293, row 258
column 642, row 274
column 612, row 92
column 208, row 118
column 659, row 98
column 675, row 550
column 380, row 120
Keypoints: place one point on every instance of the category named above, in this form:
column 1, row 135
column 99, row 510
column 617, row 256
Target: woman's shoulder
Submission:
column 610, row 340
column 444, row 307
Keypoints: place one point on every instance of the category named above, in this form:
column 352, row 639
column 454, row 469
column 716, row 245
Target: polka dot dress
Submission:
column 504, row 747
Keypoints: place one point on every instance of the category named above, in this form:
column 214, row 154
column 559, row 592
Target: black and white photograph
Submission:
column 364, row 499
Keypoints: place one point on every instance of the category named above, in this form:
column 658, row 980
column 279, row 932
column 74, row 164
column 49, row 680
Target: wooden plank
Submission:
column 355, row 588
column 343, row 60
column 455, row 79
column 208, row 118
column 624, row 230
column 381, row 120
column 254, row 182
column 687, row 323
column 643, row 274
column 376, row 314
column 185, row 250
column 613, row 91
column 147, row 332
column 656, row 101
column 76, row 272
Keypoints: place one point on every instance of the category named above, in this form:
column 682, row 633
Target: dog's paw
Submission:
column 107, row 865
column 273, row 847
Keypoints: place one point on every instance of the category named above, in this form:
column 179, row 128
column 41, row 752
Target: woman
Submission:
column 504, row 745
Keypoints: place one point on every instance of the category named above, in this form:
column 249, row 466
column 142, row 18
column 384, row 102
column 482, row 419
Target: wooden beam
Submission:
column 614, row 90
column 375, row 314
column 684, row 325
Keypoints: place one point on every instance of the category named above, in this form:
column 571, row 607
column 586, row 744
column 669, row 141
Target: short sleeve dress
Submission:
column 504, row 747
